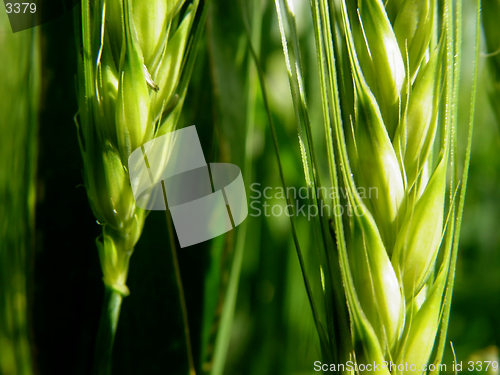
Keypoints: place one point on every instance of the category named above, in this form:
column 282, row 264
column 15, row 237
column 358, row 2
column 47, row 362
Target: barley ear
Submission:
column 121, row 107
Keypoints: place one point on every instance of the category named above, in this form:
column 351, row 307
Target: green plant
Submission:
column 135, row 64
column 389, row 78
column 19, row 104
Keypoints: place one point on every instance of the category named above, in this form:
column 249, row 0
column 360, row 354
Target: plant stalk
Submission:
column 180, row 288
column 107, row 330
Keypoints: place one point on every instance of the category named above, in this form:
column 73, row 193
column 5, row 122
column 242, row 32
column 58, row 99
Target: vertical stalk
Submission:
column 180, row 288
column 107, row 329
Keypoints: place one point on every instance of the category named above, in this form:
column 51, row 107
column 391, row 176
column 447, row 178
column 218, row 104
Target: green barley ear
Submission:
column 128, row 48
column 118, row 111
column 390, row 250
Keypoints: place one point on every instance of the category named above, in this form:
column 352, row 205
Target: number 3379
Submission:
column 20, row 7
column 482, row 365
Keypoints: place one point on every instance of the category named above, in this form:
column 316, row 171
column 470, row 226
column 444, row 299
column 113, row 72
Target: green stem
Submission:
column 180, row 287
column 107, row 330
column 182, row 298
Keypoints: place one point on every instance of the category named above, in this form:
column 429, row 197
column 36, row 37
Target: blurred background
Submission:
column 272, row 330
